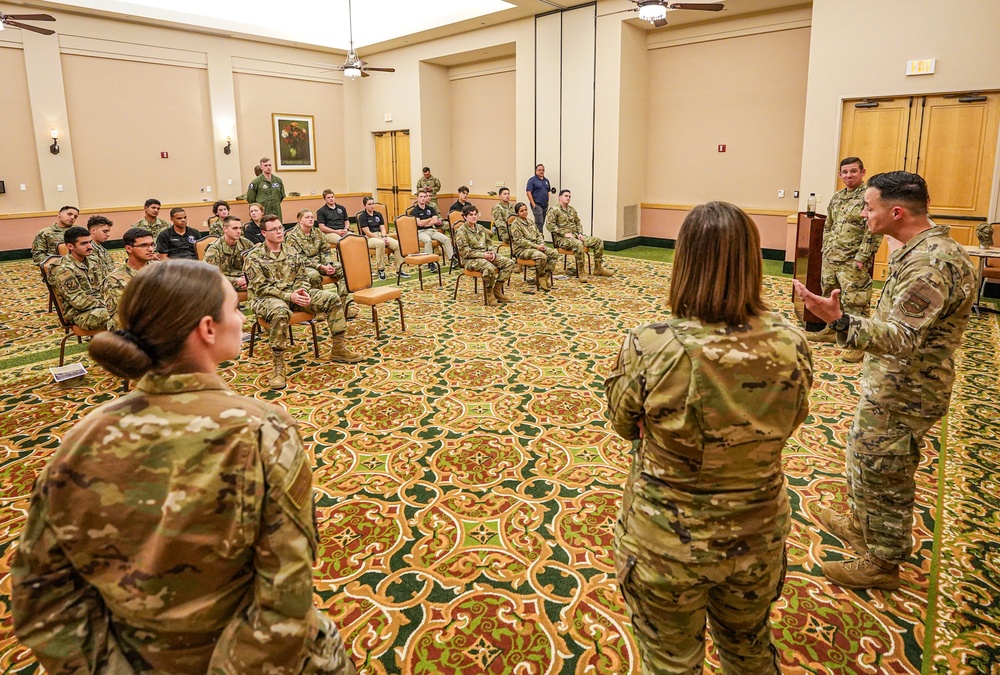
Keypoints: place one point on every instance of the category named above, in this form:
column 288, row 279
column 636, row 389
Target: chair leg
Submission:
column 588, row 263
column 375, row 320
column 312, row 325
column 125, row 385
column 475, row 285
column 440, row 280
column 291, row 338
column 253, row 336
column 420, row 275
column 458, row 280
column 62, row 348
column 486, row 302
column 402, row 321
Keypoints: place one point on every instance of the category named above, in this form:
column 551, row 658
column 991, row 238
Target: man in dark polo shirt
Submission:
column 178, row 241
column 538, row 189
column 427, row 224
column 331, row 218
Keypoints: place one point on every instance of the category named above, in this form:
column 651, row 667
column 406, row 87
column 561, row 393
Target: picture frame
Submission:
column 294, row 142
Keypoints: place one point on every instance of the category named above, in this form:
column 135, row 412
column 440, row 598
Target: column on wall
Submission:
column 222, row 97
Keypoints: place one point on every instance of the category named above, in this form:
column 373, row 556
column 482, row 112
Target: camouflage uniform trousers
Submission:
column 669, row 602
column 544, row 262
column 277, row 313
column 595, row 244
column 883, row 452
column 94, row 319
column 499, row 270
column 316, row 283
column 855, row 285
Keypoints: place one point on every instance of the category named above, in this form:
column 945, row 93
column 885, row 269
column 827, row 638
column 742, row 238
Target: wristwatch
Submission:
column 842, row 324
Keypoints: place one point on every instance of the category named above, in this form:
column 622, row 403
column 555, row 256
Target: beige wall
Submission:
column 18, row 161
column 482, row 126
column 960, row 35
column 747, row 92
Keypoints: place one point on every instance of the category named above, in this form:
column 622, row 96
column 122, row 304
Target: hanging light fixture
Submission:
column 652, row 11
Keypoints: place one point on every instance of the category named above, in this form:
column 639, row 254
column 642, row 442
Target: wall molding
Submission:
column 77, row 45
column 739, row 26
column 483, row 68
column 748, row 211
column 287, row 70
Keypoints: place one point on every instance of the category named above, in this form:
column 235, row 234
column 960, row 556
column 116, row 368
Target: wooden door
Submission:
column 385, row 172
column 404, row 181
column 392, row 171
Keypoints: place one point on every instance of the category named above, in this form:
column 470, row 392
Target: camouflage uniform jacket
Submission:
column 173, row 526
column 101, row 258
column 718, row 403
column 431, row 185
column 114, row 285
column 501, row 212
column 472, row 241
column 526, row 237
column 313, row 248
column 846, row 235
column 214, row 226
column 155, row 228
column 46, row 243
column 78, row 286
column 563, row 222
column 229, row 259
column 274, row 275
column 267, row 193
column 916, row 326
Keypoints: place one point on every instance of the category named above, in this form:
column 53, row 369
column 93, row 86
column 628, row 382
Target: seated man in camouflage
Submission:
column 501, row 212
column 527, row 242
column 141, row 250
column 277, row 281
column 473, row 241
column 46, row 243
column 151, row 218
column 100, row 232
column 564, row 224
column 312, row 245
column 227, row 253
column 77, row 285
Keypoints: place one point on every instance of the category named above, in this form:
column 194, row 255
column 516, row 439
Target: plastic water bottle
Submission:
column 811, row 205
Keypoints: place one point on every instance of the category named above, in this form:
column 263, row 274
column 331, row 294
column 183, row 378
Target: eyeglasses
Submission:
column 143, row 245
column 273, row 229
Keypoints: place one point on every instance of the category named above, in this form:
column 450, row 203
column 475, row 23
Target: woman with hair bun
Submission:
column 173, row 530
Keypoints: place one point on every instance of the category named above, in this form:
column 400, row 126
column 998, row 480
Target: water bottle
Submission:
column 811, row 205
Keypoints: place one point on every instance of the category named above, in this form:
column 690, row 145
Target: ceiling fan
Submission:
column 14, row 21
column 354, row 66
column 655, row 11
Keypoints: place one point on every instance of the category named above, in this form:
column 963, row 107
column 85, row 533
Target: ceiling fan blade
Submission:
column 659, row 23
column 381, row 70
column 33, row 29
column 365, row 74
column 31, row 17
column 712, row 7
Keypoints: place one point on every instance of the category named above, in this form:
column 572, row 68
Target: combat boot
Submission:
column 599, row 271
column 845, row 528
column 339, row 351
column 491, row 298
column 277, row 380
column 545, row 282
column 853, row 356
column 498, row 292
column 867, row 571
column 352, row 311
column 825, row 335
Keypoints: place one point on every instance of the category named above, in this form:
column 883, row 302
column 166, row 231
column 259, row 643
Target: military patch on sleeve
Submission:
column 915, row 305
column 301, row 486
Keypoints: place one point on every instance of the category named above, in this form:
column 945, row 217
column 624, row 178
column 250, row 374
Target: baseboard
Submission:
column 658, row 242
column 992, row 290
column 622, row 245
column 788, row 267
column 16, row 254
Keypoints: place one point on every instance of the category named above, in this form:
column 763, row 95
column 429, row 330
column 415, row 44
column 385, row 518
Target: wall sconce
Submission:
column 229, row 145
column 54, row 148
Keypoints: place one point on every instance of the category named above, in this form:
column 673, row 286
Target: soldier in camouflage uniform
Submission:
column 141, row 250
column 215, row 224
column 313, row 247
column 501, row 212
column 711, row 399
column 432, row 186
column 906, row 379
column 564, row 224
column 46, row 243
column 77, row 284
column 266, row 189
column 173, row 530
column 848, row 249
column 473, row 243
column 277, row 280
column 527, row 242
column 100, row 232
column 984, row 233
column 228, row 252
column 151, row 218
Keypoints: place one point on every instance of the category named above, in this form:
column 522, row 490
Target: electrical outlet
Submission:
column 313, row 192
column 59, row 188
column 795, row 194
column 470, row 182
column 781, row 194
column 208, row 188
column 23, row 187
column 229, row 182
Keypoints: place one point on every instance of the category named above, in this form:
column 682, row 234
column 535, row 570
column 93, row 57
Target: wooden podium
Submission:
column 809, row 264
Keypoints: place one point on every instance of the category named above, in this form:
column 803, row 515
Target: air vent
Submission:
column 631, row 221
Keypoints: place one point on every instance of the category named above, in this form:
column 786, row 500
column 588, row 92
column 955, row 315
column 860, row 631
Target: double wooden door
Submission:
column 393, row 184
column 949, row 139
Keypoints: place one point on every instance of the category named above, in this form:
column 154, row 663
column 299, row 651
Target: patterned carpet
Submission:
column 467, row 484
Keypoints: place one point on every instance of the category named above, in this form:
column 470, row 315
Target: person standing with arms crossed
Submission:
column 538, row 190
column 267, row 189
column 906, row 380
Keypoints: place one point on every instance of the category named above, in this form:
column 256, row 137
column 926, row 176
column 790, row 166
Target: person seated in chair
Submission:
column 252, row 229
column 151, row 218
column 278, row 284
column 527, row 242
column 331, row 218
column 77, row 284
column 314, row 249
column 141, row 250
column 501, row 212
column 473, row 241
column 427, row 232
column 564, row 224
column 100, row 231
column 228, row 252
column 463, row 200
column 220, row 211
column 178, row 241
column 372, row 225
column 46, row 242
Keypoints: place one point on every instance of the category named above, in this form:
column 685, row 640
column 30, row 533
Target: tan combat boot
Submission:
column 278, row 371
column 825, row 335
column 845, row 528
column 867, row 571
column 339, row 351
column 545, row 282
column 491, row 298
column 599, row 270
column 853, row 356
column 498, row 292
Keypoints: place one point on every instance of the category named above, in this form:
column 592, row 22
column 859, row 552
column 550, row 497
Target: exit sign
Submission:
column 921, row 67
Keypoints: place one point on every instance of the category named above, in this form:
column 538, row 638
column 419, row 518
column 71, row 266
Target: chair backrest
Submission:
column 384, row 210
column 57, row 303
column 454, row 244
column 62, row 248
column 357, row 264
column 455, row 217
column 202, row 245
column 406, row 230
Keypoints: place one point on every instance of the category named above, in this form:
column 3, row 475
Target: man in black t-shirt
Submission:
column 463, row 199
column 332, row 218
column 426, row 224
column 178, row 241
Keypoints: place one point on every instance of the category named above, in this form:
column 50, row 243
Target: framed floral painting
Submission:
column 294, row 142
